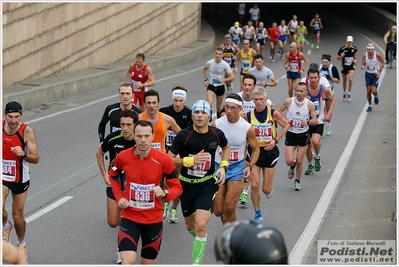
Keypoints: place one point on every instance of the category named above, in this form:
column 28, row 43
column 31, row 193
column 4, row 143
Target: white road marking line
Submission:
column 47, row 209
column 301, row 246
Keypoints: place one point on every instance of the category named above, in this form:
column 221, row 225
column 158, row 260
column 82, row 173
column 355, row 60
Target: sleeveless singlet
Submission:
column 246, row 60
column 265, row 131
column 160, row 131
column 295, row 62
column 236, row 134
column 138, row 76
column 228, row 55
column 372, row 65
column 14, row 168
column 296, row 114
column 319, row 103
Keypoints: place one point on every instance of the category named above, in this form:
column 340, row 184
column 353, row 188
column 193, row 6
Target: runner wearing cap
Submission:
column 239, row 133
column 348, row 56
column 230, row 51
column 235, row 32
column 197, row 145
column 19, row 149
column 182, row 115
column 373, row 63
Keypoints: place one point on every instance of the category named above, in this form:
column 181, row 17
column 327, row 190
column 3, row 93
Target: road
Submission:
column 66, row 205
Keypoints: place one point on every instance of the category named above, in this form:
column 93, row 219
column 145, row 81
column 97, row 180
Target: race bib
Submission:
column 170, row 137
column 157, row 146
column 296, row 123
column 263, row 132
column 142, row 196
column 135, row 87
column 199, row 170
column 348, row 61
column 234, row 154
column 294, row 66
column 214, row 80
column 317, row 107
column 9, row 170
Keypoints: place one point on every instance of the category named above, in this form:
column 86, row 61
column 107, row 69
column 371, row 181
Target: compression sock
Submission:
column 198, row 249
column 193, row 233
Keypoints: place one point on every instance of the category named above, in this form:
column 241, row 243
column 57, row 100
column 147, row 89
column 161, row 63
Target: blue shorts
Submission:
column 314, row 32
column 282, row 38
column 235, row 41
column 371, row 79
column 260, row 41
column 234, row 172
column 293, row 75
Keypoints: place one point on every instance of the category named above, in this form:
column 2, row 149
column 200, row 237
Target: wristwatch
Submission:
column 250, row 168
column 166, row 193
column 25, row 155
column 275, row 140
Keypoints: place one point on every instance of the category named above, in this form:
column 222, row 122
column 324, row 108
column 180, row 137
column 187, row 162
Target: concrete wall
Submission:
column 45, row 39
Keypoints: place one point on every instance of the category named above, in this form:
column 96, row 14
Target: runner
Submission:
column 301, row 32
column 273, row 33
column 196, row 145
column 282, row 39
column 247, row 57
column 114, row 143
column 330, row 72
column 294, row 68
column 216, row 72
column 140, row 76
column 230, row 50
column 239, row 133
column 348, row 56
column 141, row 202
column 111, row 112
column 248, row 104
column 316, row 26
column 235, row 32
column 264, row 76
column 373, row 63
column 261, row 35
column 300, row 110
column 182, row 115
column 264, row 119
column 19, row 149
column 318, row 94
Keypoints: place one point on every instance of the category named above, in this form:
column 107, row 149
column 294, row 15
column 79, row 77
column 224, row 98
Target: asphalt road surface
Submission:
column 66, row 205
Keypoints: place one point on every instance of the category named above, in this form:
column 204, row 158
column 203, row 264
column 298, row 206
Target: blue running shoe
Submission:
column 376, row 100
column 370, row 108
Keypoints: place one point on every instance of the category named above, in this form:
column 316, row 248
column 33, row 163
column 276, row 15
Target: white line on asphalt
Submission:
column 301, row 246
column 103, row 99
column 47, row 209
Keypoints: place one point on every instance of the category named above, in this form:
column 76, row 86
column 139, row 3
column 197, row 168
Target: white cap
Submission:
column 349, row 39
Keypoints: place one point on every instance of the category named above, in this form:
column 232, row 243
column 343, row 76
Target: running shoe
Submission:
column 348, row 97
column 311, row 45
column 370, row 108
column 7, row 232
column 317, row 165
column 343, row 99
column 244, row 199
column 258, row 216
column 376, row 100
column 23, row 249
column 291, row 171
column 297, row 185
column 317, row 47
column 281, row 57
column 165, row 209
column 278, row 52
column 310, row 170
column 118, row 257
column 328, row 128
column 173, row 216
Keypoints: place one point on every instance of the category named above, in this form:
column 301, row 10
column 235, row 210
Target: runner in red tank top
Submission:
column 19, row 149
column 140, row 76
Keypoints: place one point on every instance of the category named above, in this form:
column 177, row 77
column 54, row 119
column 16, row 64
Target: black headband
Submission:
column 328, row 57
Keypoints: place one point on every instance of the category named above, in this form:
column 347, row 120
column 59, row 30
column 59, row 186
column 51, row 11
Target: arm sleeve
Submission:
column 116, row 186
column 102, row 125
column 175, row 189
